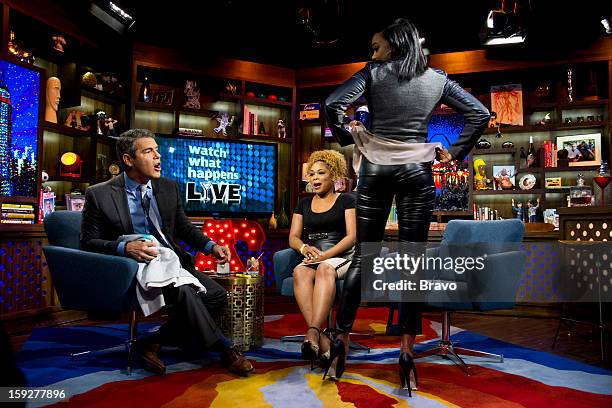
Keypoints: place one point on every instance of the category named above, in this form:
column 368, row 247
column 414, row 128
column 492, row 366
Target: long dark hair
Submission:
column 406, row 50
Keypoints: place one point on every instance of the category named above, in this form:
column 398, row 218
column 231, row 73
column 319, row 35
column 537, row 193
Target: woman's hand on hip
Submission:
column 443, row 155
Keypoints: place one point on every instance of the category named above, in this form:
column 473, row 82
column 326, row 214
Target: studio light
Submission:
column 605, row 22
column 112, row 15
column 503, row 26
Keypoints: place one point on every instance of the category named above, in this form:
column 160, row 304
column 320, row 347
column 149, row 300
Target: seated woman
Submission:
column 323, row 230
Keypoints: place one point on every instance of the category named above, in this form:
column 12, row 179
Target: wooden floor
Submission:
column 532, row 332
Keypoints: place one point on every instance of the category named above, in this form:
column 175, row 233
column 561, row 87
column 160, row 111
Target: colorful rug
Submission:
column 526, row 377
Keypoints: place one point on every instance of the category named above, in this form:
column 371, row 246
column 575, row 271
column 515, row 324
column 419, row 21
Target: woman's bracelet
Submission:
column 302, row 248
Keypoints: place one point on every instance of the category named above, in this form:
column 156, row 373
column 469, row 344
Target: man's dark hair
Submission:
column 406, row 50
column 127, row 141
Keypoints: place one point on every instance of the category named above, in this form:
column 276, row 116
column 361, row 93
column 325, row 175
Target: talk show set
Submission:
column 305, row 203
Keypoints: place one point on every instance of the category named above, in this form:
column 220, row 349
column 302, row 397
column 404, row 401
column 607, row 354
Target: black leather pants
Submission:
column 414, row 190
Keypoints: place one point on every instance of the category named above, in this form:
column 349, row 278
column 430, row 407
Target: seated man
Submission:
column 139, row 201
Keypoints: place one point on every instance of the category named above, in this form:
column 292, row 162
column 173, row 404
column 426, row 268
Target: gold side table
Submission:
column 242, row 319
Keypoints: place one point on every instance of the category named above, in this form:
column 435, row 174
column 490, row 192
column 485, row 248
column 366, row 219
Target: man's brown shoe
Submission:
column 152, row 363
column 235, row 362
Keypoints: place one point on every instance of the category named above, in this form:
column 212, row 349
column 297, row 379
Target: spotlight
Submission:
column 503, row 26
column 112, row 15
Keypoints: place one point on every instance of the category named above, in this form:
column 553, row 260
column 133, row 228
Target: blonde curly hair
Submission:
column 334, row 160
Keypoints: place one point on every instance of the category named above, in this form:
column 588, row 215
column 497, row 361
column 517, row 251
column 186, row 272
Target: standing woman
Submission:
column 323, row 230
column 393, row 159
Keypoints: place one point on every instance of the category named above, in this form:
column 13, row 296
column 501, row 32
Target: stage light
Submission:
column 503, row 26
column 112, row 15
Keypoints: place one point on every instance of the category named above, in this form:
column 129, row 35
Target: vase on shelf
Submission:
column 282, row 220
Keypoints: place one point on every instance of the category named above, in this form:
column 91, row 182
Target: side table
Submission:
column 243, row 318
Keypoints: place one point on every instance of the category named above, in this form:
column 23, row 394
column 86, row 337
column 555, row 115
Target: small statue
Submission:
column 192, row 94
column 58, row 42
column 54, row 88
column 281, row 131
column 224, row 121
column 480, row 175
column 519, row 210
column 532, row 209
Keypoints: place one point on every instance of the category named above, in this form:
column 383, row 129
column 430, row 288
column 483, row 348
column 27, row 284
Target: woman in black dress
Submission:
column 323, row 231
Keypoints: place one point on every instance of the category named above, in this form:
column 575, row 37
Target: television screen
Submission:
column 224, row 177
column 19, row 114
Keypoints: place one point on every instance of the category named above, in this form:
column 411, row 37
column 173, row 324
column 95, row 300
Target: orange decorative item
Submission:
column 250, row 94
column 272, row 98
column 229, row 233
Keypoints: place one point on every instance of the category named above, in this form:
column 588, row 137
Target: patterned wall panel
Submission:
column 25, row 284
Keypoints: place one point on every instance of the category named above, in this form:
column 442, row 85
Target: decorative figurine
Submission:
column 281, row 130
column 192, row 95
column 54, row 88
column 518, row 209
column 77, row 120
column 58, row 42
column 480, row 175
column 89, row 79
column 532, row 209
column 231, row 88
column 261, row 130
column 224, row 121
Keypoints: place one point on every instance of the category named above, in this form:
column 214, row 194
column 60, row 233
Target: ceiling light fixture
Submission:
column 112, row 15
column 503, row 26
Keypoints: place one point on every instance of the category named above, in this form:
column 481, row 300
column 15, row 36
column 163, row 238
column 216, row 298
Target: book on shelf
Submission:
column 17, row 213
column 484, row 213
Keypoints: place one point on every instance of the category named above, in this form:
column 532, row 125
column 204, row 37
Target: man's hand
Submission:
column 142, row 251
column 222, row 253
column 442, row 155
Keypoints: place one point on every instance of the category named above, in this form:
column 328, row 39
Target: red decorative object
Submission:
column 228, row 233
column 250, row 94
column 70, row 165
column 272, row 98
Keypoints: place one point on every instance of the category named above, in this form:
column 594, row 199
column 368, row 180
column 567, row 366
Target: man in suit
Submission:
column 140, row 201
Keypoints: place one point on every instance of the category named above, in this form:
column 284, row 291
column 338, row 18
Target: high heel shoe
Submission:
column 310, row 351
column 407, row 373
column 337, row 353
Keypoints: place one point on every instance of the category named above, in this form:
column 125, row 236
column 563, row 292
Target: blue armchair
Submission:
column 284, row 262
column 493, row 289
column 89, row 281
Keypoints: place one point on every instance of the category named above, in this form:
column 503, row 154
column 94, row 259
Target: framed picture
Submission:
column 507, row 103
column 48, row 203
column 75, row 202
column 504, row 177
column 583, row 150
column 163, row 97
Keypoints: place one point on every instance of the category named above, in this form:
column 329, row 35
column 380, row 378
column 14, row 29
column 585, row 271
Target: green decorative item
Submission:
column 282, row 219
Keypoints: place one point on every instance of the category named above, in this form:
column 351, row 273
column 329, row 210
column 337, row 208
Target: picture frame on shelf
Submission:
column 48, row 203
column 507, row 103
column 75, row 202
column 163, row 97
column 504, row 177
column 583, row 149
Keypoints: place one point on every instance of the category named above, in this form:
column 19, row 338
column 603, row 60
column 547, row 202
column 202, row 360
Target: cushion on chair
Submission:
column 63, row 228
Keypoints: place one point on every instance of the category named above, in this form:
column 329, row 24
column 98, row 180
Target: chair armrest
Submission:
column 91, row 281
column 284, row 262
column 496, row 286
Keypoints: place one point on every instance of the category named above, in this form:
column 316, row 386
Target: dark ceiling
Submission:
column 271, row 32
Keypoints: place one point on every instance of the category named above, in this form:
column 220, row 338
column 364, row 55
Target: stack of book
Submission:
column 17, row 214
column 484, row 213
column 249, row 126
column 550, row 154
